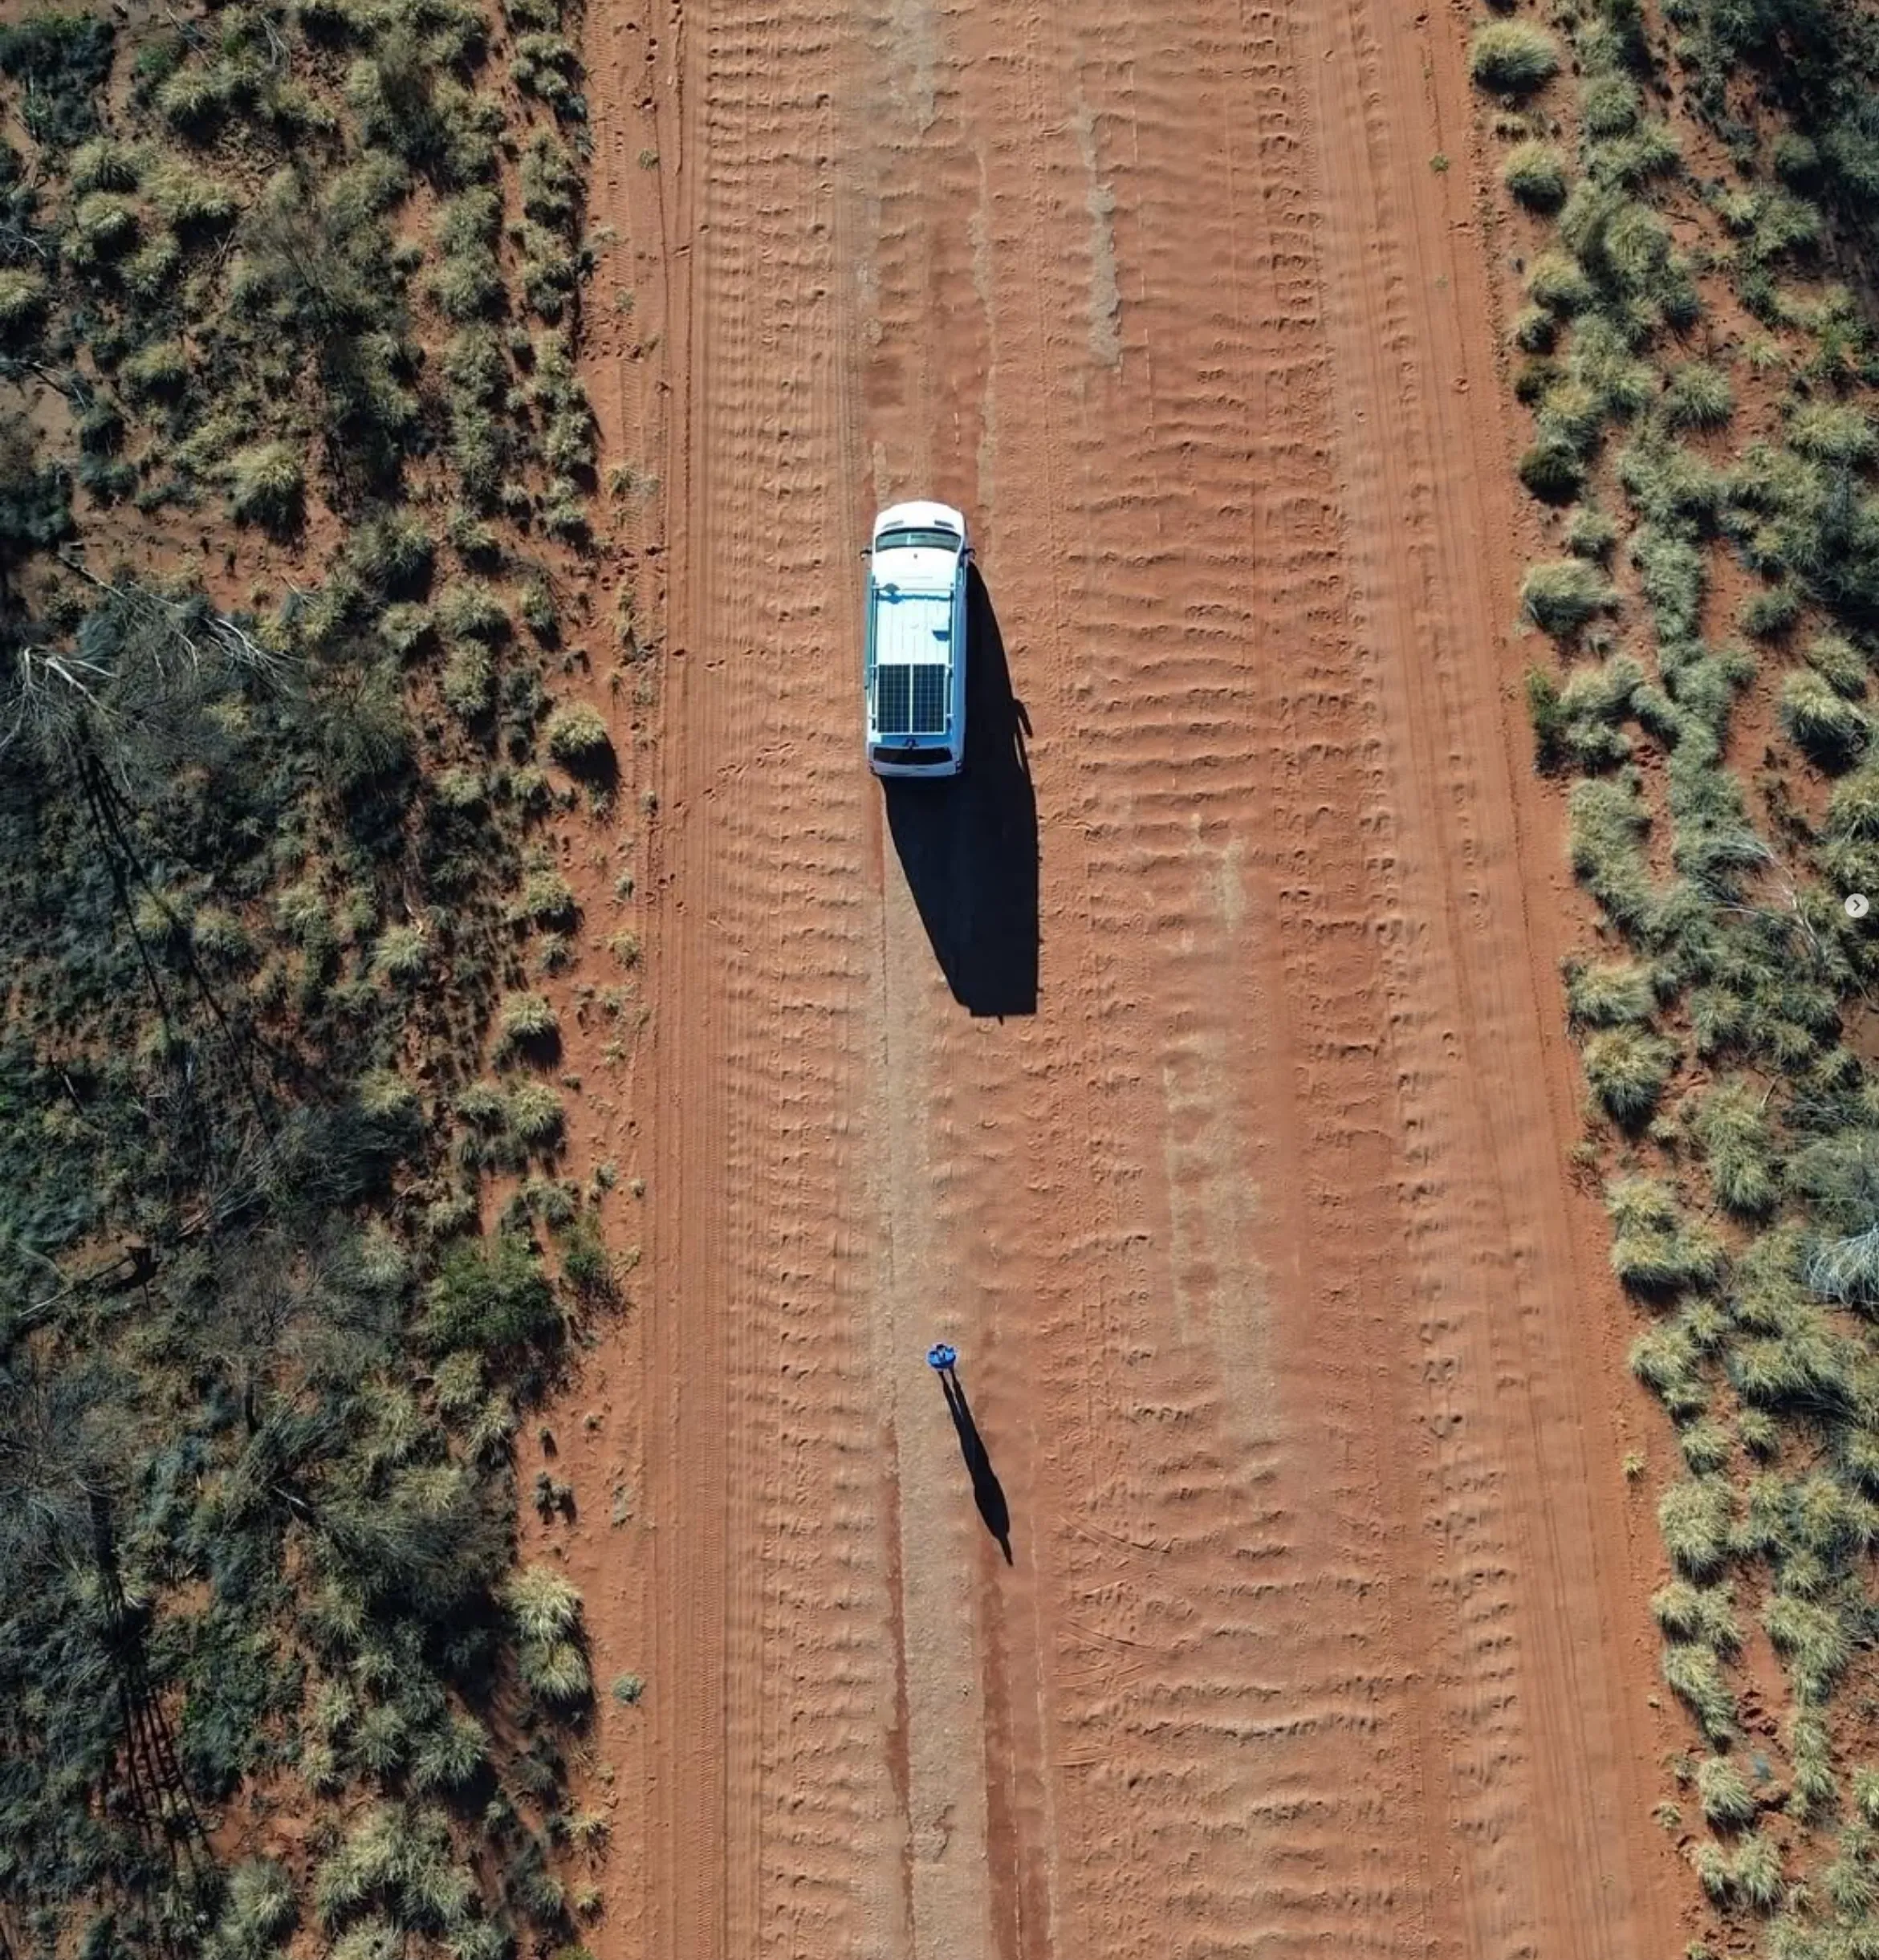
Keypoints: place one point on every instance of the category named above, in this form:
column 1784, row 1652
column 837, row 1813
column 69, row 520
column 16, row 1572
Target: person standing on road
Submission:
column 942, row 1357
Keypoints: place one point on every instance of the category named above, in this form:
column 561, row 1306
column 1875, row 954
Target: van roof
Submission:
column 919, row 515
column 913, row 629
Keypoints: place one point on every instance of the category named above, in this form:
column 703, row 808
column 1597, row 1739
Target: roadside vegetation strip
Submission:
column 1701, row 390
column 305, row 281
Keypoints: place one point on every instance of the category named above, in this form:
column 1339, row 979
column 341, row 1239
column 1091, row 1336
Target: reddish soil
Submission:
column 1293, row 1348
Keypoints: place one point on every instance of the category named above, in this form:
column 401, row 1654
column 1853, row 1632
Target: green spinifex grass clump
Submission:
column 1698, row 396
column 1695, row 1516
column 1628, row 1068
column 545, row 1610
column 1655, row 1248
column 1832, row 730
column 1694, row 1674
column 1512, row 57
column 1563, row 595
column 1727, row 1802
column 1609, row 993
column 577, row 737
column 1731, row 1122
column 1703, row 1614
column 1536, row 172
column 1608, row 823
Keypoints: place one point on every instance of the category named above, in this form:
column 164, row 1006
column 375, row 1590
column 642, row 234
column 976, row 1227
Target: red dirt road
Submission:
column 1291, row 1348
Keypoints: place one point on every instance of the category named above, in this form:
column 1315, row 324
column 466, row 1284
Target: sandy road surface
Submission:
column 1192, row 1065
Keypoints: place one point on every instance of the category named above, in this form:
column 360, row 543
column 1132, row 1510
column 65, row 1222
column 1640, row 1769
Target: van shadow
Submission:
column 988, row 1494
column 969, row 846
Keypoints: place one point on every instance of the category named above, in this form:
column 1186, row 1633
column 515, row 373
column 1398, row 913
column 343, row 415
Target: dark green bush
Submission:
column 490, row 1297
column 60, row 61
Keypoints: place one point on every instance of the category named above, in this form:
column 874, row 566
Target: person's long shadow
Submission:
column 988, row 1494
column 969, row 846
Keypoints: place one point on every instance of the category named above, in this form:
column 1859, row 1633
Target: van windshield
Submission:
column 936, row 540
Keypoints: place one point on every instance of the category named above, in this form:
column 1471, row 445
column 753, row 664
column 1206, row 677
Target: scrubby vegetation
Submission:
column 269, row 851
column 1701, row 370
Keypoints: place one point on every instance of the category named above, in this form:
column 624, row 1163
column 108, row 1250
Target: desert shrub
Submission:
column 1698, row 396
column 547, row 65
column 1704, row 1614
column 1799, row 1368
column 1838, row 662
column 1832, row 432
column 258, row 1911
column 1557, row 285
column 24, row 296
column 401, row 955
column 1848, row 1880
column 1654, row 1249
column 1711, row 1863
column 1832, row 731
column 1535, row 173
column 1769, row 614
column 159, row 371
column 1534, row 329
column 551, row 185
column 1755, row 1871
column 1512, row 57
column 1695, row 1675
column 1627, row 1069
column 468, row 285
column 1603, row 360
column 577, row 737
column 61, row 62
column 1730, row 1124
column 1672, row 489
column 586, row 1264
column 1694, row 1517
column 1727, row 1802
column 1650, row 150
column 489, row 1298
column 544, row 1613
column 1706, row 1446
column 1812, row 1640
column 474, row 362
column 1665, row 1359
column 104, row 225
column 1591, row 534
column 1552, row 725
column 535, row 1115
column 1852, row 809
column 1608, row 993
column 470, row 610
column 1673, row 579
column 546, row 900
column 187, row 199
column 1552, row 472
column 450, row 1755
column 1759, row 1433
column 1609, row 105
column 266, row 486
column 551, row 273
column 1561, row 596
column 468, row 681
column 526, row 1017
column 1607, row 824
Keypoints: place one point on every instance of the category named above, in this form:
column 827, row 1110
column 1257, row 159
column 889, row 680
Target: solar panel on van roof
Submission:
column 930, row 700
column 893, row 700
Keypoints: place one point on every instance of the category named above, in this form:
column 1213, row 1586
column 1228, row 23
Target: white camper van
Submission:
column 914, row 662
